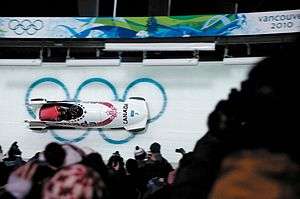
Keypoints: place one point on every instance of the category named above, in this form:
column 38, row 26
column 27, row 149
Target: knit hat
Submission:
column 74, row 154
column 139, row 153
column 155, row 147
column 74, row 182
column 54, row 154
column 62, row 155
column 87, row 150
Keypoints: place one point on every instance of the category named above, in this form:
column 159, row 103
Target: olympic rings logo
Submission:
column 25, row 26
column 111, row 87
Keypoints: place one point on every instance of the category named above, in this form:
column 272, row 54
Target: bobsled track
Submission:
column 179, row 100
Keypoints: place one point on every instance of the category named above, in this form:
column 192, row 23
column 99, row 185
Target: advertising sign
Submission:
column 151, row 27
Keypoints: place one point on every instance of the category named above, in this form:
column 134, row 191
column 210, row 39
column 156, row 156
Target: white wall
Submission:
column 192, row 93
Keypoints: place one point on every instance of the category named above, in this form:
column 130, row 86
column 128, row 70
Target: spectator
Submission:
column 260, row 115
column 95, row 161
column 116, row 164
column 121, row 187
column 32, row 176
column 140, row 156
column 156, row 165
column 257, row 174
column 134, row 178
column 155, row 147
column 14, row 159
column 164, row 191
column 131, row 167
column 76, row 181
column 3, row 169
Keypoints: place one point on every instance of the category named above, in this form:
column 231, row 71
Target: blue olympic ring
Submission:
column 97, row 80
column 115, row 95
column 38, row 82
column 31, row 113
column 155, row 83
column 30, row 27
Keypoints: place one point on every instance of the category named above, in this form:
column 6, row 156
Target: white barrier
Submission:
column 179, row 99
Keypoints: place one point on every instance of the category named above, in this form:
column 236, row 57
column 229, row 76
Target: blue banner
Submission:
column 151, row 27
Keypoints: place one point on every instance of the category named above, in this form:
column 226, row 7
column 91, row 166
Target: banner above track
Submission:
column 242, row 24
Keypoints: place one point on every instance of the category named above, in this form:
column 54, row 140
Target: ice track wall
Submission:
column 179, row 100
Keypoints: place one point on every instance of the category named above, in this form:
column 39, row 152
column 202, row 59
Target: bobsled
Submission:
column 131, row 114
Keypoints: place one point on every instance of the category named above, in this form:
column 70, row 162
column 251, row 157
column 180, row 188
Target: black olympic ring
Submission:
column 25, row 26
